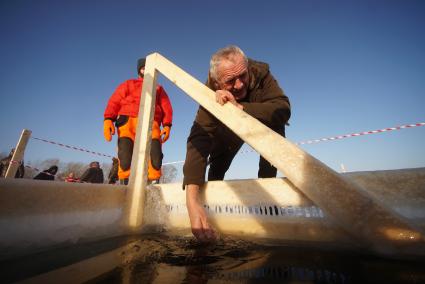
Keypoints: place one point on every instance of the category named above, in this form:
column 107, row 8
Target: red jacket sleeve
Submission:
column 114, row 103
column 165, row 105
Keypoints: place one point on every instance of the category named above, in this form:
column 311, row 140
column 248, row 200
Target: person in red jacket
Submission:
column 123, row 109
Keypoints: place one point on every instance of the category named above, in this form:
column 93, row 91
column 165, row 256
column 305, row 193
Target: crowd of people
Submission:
column 94, row 174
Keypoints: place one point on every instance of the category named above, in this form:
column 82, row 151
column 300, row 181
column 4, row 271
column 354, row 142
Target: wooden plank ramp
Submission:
column 346, row 203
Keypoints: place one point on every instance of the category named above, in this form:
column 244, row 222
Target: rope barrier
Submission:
column 38, row 170
column 72, row 147
column 361, row 133
column 171, row 163
column 29, row 167
column 313, row 141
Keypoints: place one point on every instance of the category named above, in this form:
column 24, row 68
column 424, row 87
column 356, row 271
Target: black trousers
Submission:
column 225, row 148
column 220, row 165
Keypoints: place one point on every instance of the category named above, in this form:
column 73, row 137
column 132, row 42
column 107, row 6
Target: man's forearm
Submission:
column 192, row 192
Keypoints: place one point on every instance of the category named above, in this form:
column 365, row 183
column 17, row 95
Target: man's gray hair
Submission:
column 227, row 53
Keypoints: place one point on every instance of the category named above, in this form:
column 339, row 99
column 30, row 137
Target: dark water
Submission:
column 162, row 259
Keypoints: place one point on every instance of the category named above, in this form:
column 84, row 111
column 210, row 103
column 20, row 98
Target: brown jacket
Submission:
column 265, row 101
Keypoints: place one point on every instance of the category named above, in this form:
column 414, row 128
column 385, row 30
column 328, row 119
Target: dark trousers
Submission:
column 221, row 159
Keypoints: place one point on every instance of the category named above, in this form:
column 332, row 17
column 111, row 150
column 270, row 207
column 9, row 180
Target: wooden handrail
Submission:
column 346, row 203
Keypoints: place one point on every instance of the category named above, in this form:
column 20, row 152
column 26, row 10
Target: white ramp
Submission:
column 345, row 202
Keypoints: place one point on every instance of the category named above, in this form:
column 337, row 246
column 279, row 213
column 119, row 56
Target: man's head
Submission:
column 229, row 71
column 141, row 67
column 53, row 170
column 94, row 164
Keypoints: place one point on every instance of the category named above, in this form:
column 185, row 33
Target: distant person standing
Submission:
column 94, row 174
column 48, row 174
column 113, row 173
column 71, row 178
column 5, row 162
column 123, row 110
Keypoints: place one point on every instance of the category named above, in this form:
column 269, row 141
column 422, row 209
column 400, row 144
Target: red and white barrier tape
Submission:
column 251, row 150
column 72, row 147
column 88, row 151
column 171, row 163
column 29, row 167
column 352, row 135
column 361, row 133
column 38, row 170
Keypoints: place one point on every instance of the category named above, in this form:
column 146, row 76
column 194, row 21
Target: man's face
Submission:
column 234, row 77
column 142, row 72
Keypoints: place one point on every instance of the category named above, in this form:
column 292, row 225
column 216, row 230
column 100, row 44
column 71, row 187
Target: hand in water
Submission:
column 201, row 228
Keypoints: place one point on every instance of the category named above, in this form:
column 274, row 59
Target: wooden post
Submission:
column 18, row 154
column 141, row 152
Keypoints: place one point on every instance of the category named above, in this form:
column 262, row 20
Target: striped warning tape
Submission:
column 251, row 150
column 38, row 170
column 88, row 151
column 361, row 133
column 171, row 163
column 72, row 147
column 29, row 167
column 351, row 135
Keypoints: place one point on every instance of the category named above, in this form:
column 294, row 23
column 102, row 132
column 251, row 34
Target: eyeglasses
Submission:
column 230, row 83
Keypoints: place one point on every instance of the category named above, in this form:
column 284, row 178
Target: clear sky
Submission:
column 347, row 66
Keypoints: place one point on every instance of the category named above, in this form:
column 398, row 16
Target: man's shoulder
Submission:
column 204, row 117
column 134, row 81
column 159, row 87
column 139, row 81
column 129, row 83
column 258, row 68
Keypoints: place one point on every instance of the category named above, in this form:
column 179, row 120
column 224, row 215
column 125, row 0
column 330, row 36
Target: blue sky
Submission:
column 347, row 66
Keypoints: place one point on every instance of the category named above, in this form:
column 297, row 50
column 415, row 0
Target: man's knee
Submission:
column 156, row 154
column 220, row 163
column 125, row 152
column 265, row 169
column 215, row 174
column 217, row 170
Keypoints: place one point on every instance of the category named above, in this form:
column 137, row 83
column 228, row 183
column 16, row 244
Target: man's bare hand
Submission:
column 201, row 229
column 223, row 96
